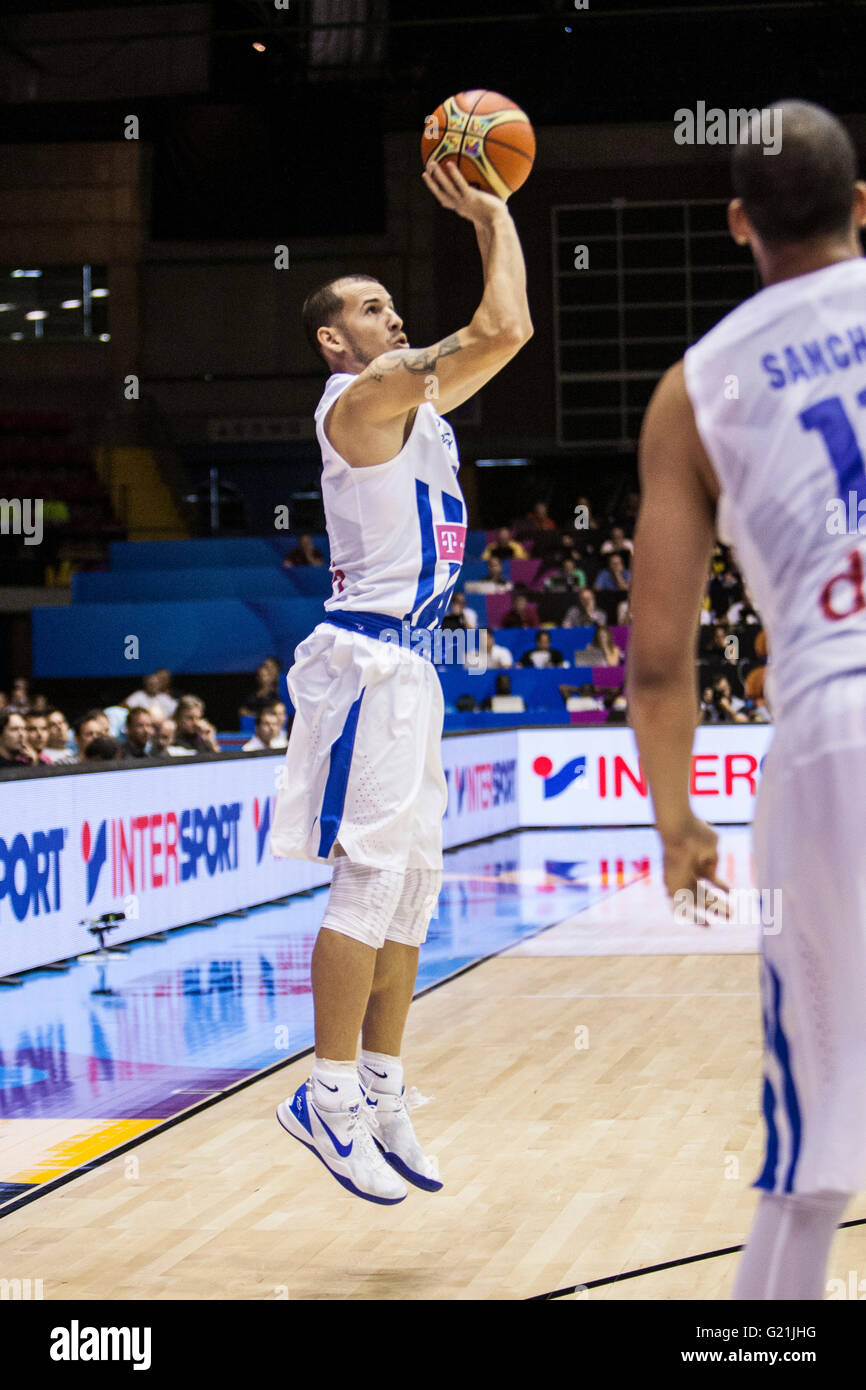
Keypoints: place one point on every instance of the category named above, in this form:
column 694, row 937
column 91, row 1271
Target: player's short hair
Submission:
column 323, row 306
column 806, row 189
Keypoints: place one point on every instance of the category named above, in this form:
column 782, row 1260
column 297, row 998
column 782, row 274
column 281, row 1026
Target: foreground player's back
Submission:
column 779, row 394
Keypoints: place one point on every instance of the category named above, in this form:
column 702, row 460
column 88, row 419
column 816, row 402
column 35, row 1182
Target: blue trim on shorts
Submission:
column 398, row 631
column 334, row 799
column 777, row 1043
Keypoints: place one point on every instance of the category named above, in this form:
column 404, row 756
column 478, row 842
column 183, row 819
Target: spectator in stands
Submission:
column 709, row 711
column 304, row 553
column 584, row 612
column 616, row 576
column 540, row 519
column 103, row 749
column 156, row 690
column 504, row 548
column 39, row 704
column 269, row 734
column 565, row 580
column 730, row 707
column 19, row 696
column 267, row 689
column 282, row 711
column 138, row 734
column 60, row 745
column 617, row 543
column 13, row 740
column 725, row 589
column 494, row 581
column 193, row 734
column 602, row 650
column 586, row 525
column 542, row 654
column 91, row 725
column 465, row 617
column 723, row 656
column 491, row 657
column 163, row 738
column 522, row 613
column 502, row 692
column 37, row 737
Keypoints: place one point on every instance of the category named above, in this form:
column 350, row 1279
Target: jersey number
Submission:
column 843, row 595
column 339, row 581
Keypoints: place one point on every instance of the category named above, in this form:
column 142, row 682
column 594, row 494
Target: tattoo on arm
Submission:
column 413, row 360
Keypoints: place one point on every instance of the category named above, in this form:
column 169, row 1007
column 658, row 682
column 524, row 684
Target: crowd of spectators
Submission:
column 583, row 580
column 151, row 722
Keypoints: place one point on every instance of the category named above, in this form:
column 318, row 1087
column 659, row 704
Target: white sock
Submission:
column 335, row 1084
column 788, row 1246
column 379, row 1072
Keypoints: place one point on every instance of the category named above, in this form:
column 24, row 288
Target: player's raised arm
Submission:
column 454, row 368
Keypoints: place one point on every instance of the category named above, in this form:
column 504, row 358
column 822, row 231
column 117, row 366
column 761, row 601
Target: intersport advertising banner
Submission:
column 586, row 776
column 167, row 845
column 174, row 844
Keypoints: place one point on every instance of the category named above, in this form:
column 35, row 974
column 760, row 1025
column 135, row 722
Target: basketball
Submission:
column 489, row 136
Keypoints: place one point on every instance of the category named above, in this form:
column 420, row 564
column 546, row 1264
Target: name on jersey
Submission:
column 820, row 357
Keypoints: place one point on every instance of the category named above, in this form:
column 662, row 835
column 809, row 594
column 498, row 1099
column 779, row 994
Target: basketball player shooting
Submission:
column 363, row 787
column 764, row 465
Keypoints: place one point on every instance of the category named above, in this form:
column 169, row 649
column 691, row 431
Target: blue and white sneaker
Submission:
column 343, row 1142
column 387, row 1116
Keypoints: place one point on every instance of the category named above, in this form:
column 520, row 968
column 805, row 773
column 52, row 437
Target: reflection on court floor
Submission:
column 180, row 1020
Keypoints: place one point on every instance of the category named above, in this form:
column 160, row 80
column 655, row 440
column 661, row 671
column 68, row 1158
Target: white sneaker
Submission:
column 344, row 1143
column 388, row 1118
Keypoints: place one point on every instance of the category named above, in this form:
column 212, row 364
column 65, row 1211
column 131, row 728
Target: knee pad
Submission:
column 362, row 901
column 416, row 906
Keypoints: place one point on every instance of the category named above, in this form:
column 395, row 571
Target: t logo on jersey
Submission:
column 450, row 540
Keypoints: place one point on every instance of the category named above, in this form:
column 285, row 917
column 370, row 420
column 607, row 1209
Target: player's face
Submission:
column 369, row 322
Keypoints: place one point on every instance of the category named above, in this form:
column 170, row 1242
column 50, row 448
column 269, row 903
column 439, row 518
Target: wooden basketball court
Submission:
column 592, row 1117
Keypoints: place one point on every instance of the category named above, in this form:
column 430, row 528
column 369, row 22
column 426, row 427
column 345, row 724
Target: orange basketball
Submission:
column 488, row 136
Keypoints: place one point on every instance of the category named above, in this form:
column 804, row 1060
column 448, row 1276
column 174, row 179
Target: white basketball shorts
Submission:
column 808, row 839
column 363, row 767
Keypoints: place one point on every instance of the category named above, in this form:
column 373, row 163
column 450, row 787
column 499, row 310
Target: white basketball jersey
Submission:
column 779, row 394
column 397, row 530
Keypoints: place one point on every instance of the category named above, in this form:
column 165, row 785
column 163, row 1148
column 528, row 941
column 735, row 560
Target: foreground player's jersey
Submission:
column 397, row 529
column 779, row 394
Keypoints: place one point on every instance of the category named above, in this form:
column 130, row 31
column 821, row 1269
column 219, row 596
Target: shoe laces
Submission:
column 360, row 1127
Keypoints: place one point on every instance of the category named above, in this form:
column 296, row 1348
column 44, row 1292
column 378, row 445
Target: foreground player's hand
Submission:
column 690, row 856
column 450, row 188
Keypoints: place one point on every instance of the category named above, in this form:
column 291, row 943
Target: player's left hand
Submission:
column 690, row 855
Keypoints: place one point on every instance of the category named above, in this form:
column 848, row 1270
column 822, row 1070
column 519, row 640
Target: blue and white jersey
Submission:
column 397, row 530
column 779, row 394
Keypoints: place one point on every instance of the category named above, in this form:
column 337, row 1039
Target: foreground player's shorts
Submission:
column 808, row 836
column 363, row 767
